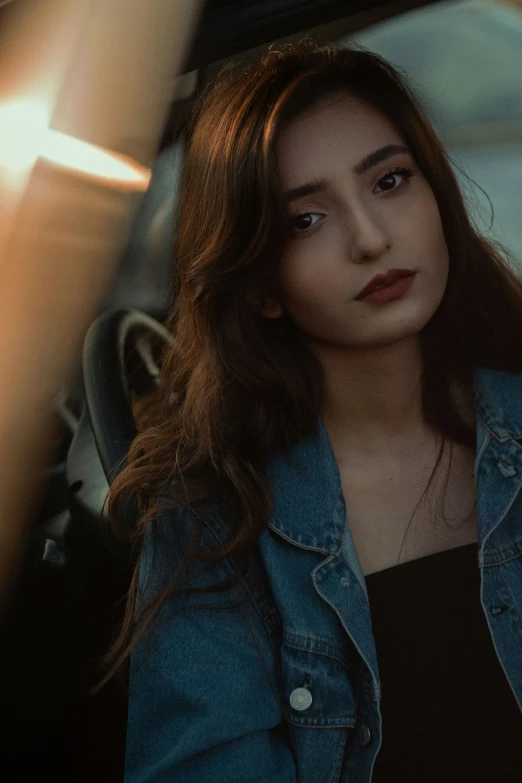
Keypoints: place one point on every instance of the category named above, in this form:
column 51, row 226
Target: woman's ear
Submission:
column 263, row 303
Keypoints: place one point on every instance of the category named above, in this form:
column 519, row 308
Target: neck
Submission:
column 373, row 396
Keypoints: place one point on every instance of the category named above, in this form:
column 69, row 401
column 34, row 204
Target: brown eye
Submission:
column 395, row 179
column 388, row 182
column 305, row 221
column 302, row 222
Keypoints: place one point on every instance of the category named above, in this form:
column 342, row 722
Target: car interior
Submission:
column 463, row 57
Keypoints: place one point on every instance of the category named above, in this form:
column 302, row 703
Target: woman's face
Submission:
column 354, row 217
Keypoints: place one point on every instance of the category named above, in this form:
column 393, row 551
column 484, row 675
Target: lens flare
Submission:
column 25, row 136
column 23, row 127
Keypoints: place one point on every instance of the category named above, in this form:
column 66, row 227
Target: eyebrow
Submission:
column 370, row 160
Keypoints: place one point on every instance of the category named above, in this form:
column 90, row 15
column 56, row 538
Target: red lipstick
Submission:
column 384, row 288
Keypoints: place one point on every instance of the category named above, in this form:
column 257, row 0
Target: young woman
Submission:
column 330, row 580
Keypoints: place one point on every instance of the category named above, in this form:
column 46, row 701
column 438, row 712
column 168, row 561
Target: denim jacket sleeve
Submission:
column 204, row 703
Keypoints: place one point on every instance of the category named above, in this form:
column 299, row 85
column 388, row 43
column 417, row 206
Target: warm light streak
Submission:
column 25, row 136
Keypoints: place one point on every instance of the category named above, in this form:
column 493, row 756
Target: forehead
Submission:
column 329, row 139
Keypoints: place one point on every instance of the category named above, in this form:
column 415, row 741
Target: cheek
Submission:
column 314, row 266
column 428, row 218
column 300, row 277
column 428, row 233
column 440, row 248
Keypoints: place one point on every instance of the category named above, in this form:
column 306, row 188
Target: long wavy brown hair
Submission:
column 236, row 386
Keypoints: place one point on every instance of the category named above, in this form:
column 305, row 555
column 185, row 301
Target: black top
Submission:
column 448, row 712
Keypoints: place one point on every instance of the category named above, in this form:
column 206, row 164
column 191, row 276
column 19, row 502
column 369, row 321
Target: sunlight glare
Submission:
column 23, row 125
column 93, row 161
column 25, row 136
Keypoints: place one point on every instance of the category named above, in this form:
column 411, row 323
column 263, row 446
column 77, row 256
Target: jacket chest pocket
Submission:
column 317, row 691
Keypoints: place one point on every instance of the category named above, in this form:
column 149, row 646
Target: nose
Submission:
column 368, row 238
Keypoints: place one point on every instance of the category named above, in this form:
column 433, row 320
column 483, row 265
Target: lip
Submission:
column 388, row 279
column 389, row 292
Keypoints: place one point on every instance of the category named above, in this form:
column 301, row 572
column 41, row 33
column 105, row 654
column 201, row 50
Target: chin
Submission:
column 399, row 326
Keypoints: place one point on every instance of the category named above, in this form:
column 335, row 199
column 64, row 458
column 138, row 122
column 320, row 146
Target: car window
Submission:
column 463, row 57
column 465, row 60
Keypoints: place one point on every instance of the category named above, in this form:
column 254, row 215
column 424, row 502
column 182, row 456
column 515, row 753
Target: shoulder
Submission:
column 174, row 537
column 178, row 546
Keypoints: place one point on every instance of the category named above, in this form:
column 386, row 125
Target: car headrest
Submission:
column 145, row 270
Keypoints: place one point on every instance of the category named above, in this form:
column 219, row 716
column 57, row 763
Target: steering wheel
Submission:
column 121, row 356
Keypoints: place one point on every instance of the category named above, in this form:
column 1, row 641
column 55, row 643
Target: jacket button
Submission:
column 300, row 699
column 364, row 735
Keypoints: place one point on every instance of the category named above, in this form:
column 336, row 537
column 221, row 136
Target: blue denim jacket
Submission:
column 285, row 687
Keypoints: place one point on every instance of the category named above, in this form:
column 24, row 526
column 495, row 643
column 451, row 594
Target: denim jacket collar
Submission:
column 309, row 508
column 498, row 401
column 306, row 492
